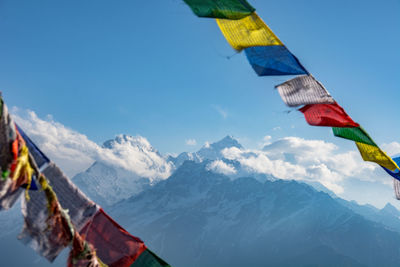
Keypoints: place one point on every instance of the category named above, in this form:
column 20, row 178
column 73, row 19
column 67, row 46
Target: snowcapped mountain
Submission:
column 207, row 152
column 217, row 161
column 131, row 166
column 181, row 158
column 107, row 184
column 214, row 151
column 201, row 218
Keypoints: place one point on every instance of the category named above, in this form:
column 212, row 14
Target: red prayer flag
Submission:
column 331, row 115
column 113, row 244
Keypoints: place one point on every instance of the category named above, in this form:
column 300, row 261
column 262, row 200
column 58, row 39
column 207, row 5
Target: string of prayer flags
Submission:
column 115, row 246
column 88, row 220
column 266, row 53
column 375, row 154
column 224, row 9
column 331, row 115
column 304, row 90
column 247, row 32
column 273, row 60
column 61, row 231
column 55, row 231
column 268, row 56
column 357, row 134
column 80, row 209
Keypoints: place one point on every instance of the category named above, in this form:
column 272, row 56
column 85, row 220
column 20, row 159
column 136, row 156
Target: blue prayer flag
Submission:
column 273, row 60
column 395, row 174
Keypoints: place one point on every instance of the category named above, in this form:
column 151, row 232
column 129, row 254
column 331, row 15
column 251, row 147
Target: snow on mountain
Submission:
column 140, row 166
column 217, row 161
column 214, row 151
column 139, row 157
column 128, row 165
column 201, row 218
column 207, row 152
column 107, row 183
column 181, row 158
column 75, row 152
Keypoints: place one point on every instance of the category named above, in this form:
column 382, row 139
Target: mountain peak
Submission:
column 124, row 139
column 226, row 142
column 213, row 151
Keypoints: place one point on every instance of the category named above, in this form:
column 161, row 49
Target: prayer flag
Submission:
column 375, row 154
column 113, row 245
column 80, row 209
column 304, row 90
column 40, row 158
column 327, row 115
column 273, row 60
column 247, row 32
column 149, row 259
column 357, row 134
column 223, row 9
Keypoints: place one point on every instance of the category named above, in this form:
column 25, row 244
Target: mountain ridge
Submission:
column 224, row 218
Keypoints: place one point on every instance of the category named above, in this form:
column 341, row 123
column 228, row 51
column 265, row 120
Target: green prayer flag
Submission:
column 148, row 259
column 222, row 9
column 356, row 134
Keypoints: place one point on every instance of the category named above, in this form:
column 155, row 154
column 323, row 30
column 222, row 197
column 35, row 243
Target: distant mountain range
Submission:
column 211, row 211
column 107, row 183
column 201, row 218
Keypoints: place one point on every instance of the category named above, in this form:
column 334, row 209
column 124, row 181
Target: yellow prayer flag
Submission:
column 248, row 31
column 24, row 169
column 375, row 154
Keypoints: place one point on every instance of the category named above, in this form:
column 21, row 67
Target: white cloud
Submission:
column 221, row 167
column 276, row 128
column 308, row 160
column 191, row 142
column 392, row 149
column 74, row 152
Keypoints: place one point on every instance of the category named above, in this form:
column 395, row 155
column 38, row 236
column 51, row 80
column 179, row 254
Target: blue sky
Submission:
column 153, row 68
